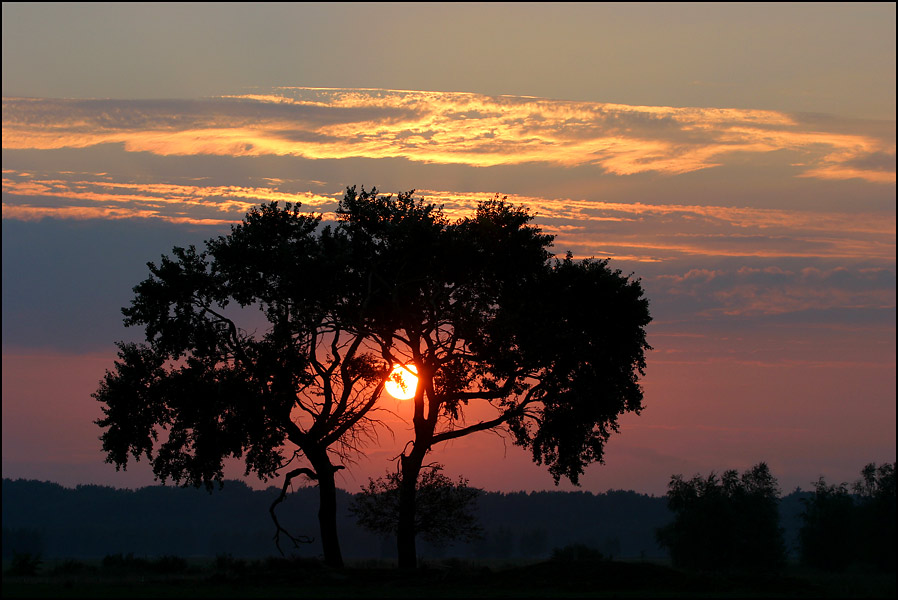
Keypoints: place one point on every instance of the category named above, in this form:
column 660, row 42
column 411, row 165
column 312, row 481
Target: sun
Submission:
column 401, row 383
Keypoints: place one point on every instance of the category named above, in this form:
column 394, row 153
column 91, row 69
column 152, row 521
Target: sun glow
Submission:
column 402, row 382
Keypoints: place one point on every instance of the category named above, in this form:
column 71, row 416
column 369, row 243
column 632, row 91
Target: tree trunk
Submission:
column 405, row 535
column 327, row 510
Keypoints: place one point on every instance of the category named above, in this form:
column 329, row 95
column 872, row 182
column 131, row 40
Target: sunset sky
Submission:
column 738, row 158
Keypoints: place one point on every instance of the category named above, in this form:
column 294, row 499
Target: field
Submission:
column 225, row 577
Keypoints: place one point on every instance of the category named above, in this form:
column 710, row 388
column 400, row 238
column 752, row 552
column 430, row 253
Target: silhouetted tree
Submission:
column 214, row 380
column 485, row 315
column 840, row 528
column 478, row 306
column 725, row 523
column 827, row 536
column 445, row 508
column 876, row 515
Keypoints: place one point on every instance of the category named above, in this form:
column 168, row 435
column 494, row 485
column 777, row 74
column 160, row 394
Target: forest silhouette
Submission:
column 706, row 525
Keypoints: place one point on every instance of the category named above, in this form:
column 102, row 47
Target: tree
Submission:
column 827, row 535
column 445, row 508
column 840, row 528
column 478, row 306
column 485, row 314
column 214, row 380
column 725, row 523
column 876, row 515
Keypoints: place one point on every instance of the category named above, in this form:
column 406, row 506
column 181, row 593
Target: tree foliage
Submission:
column 840, row 528
column 446, row 509
column 876, row 515
column 219, row 388
column 725, row 523
column 828, row 530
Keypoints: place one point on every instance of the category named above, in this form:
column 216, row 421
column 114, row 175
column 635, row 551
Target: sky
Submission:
column 738, row 158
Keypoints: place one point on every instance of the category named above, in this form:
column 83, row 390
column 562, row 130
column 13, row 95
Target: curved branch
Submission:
column 278, row 529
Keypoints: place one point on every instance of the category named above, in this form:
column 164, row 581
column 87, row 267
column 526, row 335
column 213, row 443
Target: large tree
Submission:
column 486, row 315
column 479, row 307
column 248, row 354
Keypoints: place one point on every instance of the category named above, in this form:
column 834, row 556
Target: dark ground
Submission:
column 449, row 578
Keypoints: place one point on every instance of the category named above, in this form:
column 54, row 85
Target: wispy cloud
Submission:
column 29, row 198
column 453, row 128
column 638, row 231
column 650, row 233
column 773, row 290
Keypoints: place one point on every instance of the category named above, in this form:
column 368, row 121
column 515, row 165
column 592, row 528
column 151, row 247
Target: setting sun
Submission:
column 402, row 382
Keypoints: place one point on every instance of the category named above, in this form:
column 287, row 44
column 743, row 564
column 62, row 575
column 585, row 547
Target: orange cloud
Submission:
column 34, row 213
column 446, row 128
column 118, row 200
column 637, row 232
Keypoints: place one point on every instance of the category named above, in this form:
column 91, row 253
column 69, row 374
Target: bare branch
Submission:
column 278, row 529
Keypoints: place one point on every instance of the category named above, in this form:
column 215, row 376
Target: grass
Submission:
column 226, row 577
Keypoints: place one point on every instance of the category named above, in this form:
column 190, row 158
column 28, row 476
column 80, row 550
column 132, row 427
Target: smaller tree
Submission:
column 827, row 533
column 726, row 523
column 841, row 528
column 445, row 510
column 876, row 515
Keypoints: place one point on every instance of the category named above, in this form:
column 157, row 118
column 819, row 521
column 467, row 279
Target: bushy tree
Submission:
column 725, row 523
column 840, row 528
column 486, row 315
column 446, row 509
column 249, row 354
column 827, row 535
column 876, row 515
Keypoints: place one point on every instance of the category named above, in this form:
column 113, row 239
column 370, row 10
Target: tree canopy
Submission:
column 484, row 312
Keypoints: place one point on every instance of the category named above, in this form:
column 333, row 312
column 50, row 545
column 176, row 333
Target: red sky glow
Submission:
column 749, row 183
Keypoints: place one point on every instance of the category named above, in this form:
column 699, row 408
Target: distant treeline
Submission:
column 93, row 521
